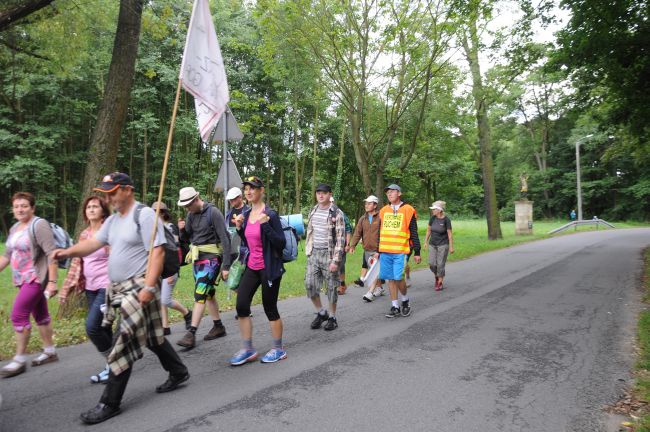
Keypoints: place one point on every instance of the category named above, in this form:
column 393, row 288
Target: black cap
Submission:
column 323, row 187
column 253, row 181
column 112, row 181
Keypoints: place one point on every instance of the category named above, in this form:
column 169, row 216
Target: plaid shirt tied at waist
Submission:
column 138, row 326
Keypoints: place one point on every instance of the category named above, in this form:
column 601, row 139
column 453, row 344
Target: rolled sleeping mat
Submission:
column 373, row 272
column 295, row 221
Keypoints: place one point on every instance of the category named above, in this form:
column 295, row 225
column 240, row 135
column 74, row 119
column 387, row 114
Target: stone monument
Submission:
column 523, row 209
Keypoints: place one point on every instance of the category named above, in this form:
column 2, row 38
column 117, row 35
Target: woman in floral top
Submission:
column 29, row 243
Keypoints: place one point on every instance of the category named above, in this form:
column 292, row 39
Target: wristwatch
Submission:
column 151, row 289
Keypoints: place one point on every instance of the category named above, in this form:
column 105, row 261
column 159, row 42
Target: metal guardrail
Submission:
column 575, row 224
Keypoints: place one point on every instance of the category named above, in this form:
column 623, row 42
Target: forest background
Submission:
column 432, row 95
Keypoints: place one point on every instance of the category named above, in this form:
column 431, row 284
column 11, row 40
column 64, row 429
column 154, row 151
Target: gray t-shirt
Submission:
column 129, row 251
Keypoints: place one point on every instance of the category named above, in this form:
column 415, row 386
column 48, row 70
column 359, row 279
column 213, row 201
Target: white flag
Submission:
column 202, row 72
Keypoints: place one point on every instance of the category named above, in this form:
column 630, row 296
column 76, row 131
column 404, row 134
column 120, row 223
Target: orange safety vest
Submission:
column 395, row 234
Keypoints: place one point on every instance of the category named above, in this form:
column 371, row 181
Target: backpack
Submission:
column 172, row 262
column 62, row 240
column 290, row 251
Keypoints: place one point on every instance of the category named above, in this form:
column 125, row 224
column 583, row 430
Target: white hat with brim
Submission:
column 233, row 193
column 186, row 196
column 435, row 206
column 372, row 198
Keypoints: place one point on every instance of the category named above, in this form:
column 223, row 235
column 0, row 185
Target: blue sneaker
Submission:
column 274, row 355
column 243, row 356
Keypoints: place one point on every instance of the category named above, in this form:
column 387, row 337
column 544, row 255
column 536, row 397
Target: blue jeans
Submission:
column 101, row 337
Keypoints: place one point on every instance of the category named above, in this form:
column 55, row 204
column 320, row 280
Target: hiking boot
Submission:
column 331, row 324
column 368, row 297
column 358, row 283
column 188, row 341
column 215, row 332
column 243, row 356
column 172, row 383
column 406, row 309
column 394, row 312
column 379, row 291
column 100, row 413
column 188, row 320
column 320, row 319
column 274, row 355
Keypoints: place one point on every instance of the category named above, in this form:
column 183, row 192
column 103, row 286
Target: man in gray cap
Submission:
column 324, row 246
column 134, row 292
column 399, row 229
column 205, row 230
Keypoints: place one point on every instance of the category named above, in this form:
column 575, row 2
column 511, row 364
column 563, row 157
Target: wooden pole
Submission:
column 164, row 172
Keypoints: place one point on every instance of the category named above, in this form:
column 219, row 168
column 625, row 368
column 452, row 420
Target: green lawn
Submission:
column 469, row 240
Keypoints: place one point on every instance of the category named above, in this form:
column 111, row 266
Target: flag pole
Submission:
column 163, row 176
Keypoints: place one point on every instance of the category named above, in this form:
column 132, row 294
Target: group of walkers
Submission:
column 119, row 259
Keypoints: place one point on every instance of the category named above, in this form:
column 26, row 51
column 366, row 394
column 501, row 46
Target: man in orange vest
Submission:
column 398, row 228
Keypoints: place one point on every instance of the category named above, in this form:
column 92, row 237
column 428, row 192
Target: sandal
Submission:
column 101, row 377
column 45, row 358
column 12, row 369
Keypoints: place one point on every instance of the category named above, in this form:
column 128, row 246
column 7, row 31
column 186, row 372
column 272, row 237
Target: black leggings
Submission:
column 250, row 280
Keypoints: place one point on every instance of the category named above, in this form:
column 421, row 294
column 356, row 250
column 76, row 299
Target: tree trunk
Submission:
column 339, row 166
column 314, row 157
column 111, row 116
column 484, row 138
column 281, row 195
column 144, row 167
column 299, row 168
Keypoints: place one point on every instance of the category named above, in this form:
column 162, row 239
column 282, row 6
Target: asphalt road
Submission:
column 536, row 337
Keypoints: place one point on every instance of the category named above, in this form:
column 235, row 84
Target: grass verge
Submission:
column 470, row 239
column 642, row 387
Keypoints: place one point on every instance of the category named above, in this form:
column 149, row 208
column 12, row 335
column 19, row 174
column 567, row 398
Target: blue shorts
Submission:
column 391, row 266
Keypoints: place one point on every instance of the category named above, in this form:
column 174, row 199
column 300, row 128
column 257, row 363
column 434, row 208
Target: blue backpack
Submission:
column 290, row 251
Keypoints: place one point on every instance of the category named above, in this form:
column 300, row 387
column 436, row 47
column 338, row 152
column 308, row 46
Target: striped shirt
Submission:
column 319, row 223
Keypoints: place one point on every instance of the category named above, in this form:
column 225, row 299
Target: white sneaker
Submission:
column 379, row 291
column 368, row 297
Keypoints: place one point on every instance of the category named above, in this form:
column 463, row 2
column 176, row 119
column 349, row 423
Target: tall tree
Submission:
column 471, row 45
column 606, row 44
column 347, row 40
column 112, row 113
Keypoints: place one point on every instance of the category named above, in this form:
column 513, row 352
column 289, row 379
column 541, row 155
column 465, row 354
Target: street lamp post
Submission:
column 578, row 183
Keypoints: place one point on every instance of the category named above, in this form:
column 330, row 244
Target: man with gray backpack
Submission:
column 134, row 292
column 205, row 230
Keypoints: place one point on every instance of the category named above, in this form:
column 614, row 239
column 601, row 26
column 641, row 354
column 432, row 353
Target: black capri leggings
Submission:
column 250, row 281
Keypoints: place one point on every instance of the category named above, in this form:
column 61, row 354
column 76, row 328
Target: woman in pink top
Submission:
column 90, row 275
column 261, row 233
column 30, row 241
